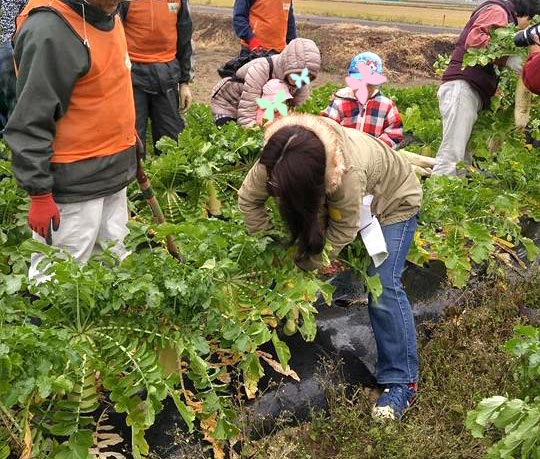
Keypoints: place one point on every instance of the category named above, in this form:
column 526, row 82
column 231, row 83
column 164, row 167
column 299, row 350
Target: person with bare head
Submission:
column 72, row 132
column 321, row 174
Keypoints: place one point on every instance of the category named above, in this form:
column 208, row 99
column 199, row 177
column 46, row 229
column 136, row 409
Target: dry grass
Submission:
column 411, row 14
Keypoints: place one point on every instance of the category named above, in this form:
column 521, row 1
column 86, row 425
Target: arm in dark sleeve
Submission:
column 184, row 49
column 291, row 25
column 123, row 8
column 50, row 59
column 241, row 19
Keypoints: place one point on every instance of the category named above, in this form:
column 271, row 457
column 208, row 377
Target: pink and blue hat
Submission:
column 368, row 58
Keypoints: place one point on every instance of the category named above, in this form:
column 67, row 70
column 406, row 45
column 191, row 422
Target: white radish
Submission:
column 522, row 105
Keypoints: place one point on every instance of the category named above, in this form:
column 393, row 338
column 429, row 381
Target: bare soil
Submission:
column 408, row 56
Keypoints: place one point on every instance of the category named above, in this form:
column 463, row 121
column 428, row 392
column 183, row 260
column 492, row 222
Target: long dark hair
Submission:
column 527, row 8
column 295, row 159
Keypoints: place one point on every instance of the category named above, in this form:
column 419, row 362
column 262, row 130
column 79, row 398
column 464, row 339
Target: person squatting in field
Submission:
column 464, row 92
column 158, row 36
column 9, row 10
column 378, row 116
column 235, row 98
column 72, row 132
column 320, row 173
column 264, row 25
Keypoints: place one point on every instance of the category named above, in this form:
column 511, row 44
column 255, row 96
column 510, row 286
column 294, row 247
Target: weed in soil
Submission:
column 461, row 363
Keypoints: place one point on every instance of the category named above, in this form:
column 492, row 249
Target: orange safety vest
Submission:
column 100, row 118
column 151, row 30
column 268, row 20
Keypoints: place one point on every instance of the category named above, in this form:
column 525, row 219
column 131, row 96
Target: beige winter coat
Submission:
column 238, row 99
column 356, row 165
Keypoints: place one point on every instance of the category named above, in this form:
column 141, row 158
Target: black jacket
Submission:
column 51, row 58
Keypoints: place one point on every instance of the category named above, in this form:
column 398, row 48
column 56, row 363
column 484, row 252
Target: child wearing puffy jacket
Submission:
column 378, row 117
column 235, row 98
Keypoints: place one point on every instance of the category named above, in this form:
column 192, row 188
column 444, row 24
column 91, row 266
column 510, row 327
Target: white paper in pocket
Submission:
column 373, row 239
column 365, row 211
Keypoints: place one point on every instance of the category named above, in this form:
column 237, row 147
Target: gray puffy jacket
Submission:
column 237, row 96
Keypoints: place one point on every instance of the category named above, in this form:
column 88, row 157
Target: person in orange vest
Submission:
column 264, row 25
column 72, row 130
column 158, row 35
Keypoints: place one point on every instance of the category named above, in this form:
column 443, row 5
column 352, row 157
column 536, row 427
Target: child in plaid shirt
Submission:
column 379, row 116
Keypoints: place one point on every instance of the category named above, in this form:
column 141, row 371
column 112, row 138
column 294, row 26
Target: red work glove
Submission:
column 254, row 44
column 42, row 212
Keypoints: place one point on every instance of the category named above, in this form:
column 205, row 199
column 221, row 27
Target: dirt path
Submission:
column 408, row 56
column 314, row 19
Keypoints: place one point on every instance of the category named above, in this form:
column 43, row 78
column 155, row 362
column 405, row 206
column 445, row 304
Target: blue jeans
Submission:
column 391, row 315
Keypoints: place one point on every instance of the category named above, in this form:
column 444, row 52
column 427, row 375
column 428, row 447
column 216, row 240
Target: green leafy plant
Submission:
column 501, row 45
column 127, row 334
column 517, row 420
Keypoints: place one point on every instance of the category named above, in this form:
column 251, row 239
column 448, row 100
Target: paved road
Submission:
column 332, row 20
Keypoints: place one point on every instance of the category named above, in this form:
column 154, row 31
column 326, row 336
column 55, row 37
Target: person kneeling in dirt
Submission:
column 377, row 115
column 161, row 63
column 465, row 91
column 72, row 132
column 235, row 98
column 264, row 25
column 320, row 172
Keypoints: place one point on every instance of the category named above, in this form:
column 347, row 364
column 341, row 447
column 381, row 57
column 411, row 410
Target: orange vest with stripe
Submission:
column 100, row 117
column 151, row 30
column 268, row 20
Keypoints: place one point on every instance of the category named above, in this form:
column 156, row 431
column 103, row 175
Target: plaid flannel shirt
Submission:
column 379, row 117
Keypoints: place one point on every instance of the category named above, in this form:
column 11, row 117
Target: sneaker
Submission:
column 394, row 401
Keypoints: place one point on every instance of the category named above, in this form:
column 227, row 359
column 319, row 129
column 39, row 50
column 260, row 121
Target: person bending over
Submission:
column 320, row 172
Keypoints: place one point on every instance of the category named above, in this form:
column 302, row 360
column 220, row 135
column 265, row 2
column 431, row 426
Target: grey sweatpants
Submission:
column 459, row 104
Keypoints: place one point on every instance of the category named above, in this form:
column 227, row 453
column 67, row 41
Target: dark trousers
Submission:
column 163, row 110
column 7, row 82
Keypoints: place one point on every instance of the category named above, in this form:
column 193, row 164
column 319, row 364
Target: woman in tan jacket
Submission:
column 321, row 172
column 235, row 98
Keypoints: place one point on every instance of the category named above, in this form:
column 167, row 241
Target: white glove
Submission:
column 515, row 63
column 185, row 97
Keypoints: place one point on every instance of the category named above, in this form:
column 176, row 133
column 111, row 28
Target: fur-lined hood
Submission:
column 328, row 134
column 356, row 165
